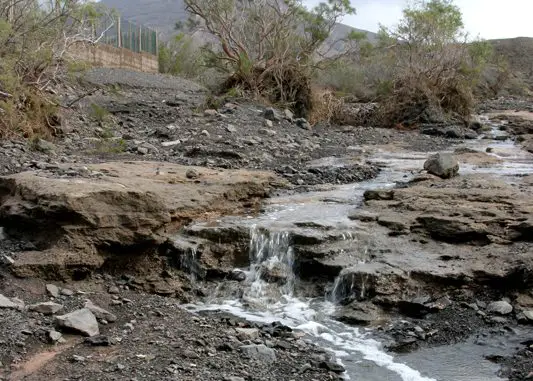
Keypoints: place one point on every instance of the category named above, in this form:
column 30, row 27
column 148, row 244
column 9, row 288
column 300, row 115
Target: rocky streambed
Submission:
column 263, row 250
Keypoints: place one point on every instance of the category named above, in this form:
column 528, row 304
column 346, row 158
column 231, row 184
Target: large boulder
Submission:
column 443, row 165
column 80, row 321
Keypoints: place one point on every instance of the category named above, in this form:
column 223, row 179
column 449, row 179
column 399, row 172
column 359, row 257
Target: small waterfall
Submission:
column 271, row 275
column 188, row 263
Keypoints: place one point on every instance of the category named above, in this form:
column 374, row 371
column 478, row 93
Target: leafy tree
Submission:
column 436, row 64
column 35, row 38
column 181, row 57
column 272, row 47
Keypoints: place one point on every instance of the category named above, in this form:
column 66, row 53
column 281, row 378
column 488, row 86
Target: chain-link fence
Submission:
column 119, row 32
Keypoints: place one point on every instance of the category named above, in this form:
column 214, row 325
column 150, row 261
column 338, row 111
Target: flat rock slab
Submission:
column 117, row 204
column 46, row 308
column 6, row 302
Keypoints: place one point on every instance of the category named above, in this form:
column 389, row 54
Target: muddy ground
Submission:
column 115, row 115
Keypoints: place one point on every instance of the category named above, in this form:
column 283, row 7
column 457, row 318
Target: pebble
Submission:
column 501, row 307
column 52, row 290
column 46, row 308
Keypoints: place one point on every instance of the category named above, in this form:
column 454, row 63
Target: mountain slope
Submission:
column 162, row 15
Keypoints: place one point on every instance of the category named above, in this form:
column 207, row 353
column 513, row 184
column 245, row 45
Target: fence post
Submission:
column 119, row 33
column 140, row 38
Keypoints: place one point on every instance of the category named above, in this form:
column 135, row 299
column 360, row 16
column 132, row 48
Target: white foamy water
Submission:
column 274, row 302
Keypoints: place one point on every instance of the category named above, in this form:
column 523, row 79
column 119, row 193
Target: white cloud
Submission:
column 487, row 18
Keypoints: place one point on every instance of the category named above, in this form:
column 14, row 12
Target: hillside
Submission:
column 518, row 52
column 162, row 15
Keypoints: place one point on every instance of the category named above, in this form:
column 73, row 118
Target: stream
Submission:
column 356, row 348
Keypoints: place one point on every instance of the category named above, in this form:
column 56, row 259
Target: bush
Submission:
column 34, row 39
column 181, row 57
column 271, row 48
column 436, row 68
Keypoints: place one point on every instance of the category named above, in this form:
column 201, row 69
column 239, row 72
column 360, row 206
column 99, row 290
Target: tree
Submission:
column 271, row 47
column 436, row 65
column 35, row 37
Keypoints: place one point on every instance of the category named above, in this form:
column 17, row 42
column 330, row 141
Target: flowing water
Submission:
column 271, row 257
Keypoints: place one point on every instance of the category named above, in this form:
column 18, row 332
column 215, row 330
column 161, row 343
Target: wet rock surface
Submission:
column 132, row 200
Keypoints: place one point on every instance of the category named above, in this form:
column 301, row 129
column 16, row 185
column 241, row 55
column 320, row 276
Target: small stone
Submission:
column 502, row 307
column 77, row 358
column 98, row 341
column 528, row 316
column 52, row 290
column 113, row 290
column 247, row 334
column 6, row 302
column 67, row 292
column 443, row 165
column 332, row 366
column 142, row 150
column 191, row 174
column 303, row 123
column 270, row 114
column 288, row 114
column 82, row 321
column 205, row 133
column 268, row 123
column 259, row 352
column 54, row 336
column 44, row 146
column 238, row 275
column 231, row 128
column 210, row 112
column 190, row 354
column 46, row 308
column 171, row 143
column 99, row 312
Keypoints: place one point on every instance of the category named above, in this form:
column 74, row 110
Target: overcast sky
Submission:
column 486, row 18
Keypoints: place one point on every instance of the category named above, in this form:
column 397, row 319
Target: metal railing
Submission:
column 122, row 33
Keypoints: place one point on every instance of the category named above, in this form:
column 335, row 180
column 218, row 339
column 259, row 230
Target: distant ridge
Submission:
column 162, row 15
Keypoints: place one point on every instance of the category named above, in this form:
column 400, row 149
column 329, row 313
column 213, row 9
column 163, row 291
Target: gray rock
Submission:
column 247, row 333
column 205, row 133
column 288, row 114
column 142, row 150
column 54, row 336
column 99, row 312
column 210, row 112
column 302, row 123
column 259, row 352
column 453, row 132
column 502, row 307
column 52, row 290
column 270, row 114
column 171, row 143
column 67, row 292
column 113, row 290
column 46, row 308
column 191, row 174
column 268, row 123
column 44, row 146
column 6, row 302
column 470, row 134
column 528, row 315
column 82, row 321
column 231, row 128
column 443, row 165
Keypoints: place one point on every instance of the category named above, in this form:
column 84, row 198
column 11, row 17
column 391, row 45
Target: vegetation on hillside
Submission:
column 35, row 37
column 271, row 48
